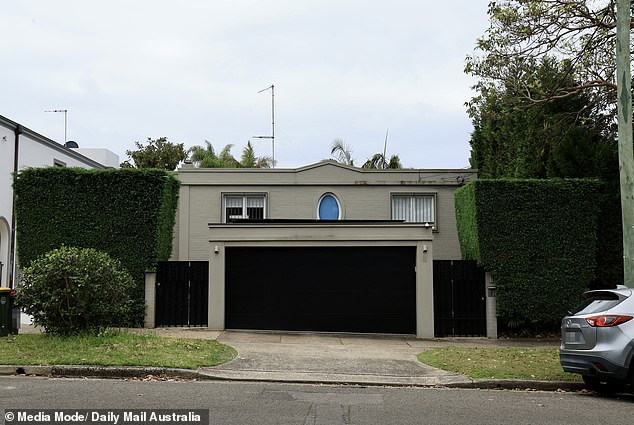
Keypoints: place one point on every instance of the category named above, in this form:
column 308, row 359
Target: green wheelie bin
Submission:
column 7, row 319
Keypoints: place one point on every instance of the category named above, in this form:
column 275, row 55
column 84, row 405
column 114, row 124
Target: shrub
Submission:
column 73, row 290
column 538, row 238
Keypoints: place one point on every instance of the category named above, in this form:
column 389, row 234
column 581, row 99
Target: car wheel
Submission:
column 599, row 385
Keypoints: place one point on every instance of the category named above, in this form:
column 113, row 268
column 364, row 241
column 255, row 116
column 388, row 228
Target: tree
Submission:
column 250, row 160
column 159, row 153
column 522, row 32
column 516, row 137
column 342, row 152
column 379, row 161
column 205, row 157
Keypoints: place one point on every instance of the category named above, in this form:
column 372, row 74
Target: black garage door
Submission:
column 333, row 289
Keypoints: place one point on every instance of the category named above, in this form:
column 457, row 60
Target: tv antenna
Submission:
column 65, row 111
column 272, row 136
column 385, row 149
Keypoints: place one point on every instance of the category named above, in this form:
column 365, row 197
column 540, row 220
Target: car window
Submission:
column 598, row 302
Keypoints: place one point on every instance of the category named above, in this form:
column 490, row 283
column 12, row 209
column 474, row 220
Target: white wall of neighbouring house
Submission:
column 102, row 156
column 6, row 199
column 33, row 152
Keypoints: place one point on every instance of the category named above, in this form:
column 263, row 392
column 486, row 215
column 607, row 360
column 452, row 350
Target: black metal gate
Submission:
column 459, row 299
column 182, row 289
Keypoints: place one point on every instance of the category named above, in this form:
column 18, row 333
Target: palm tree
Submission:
column 342, row 152
column 378, row 162
column 206, row 157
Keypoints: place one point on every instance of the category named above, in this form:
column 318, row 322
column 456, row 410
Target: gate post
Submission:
column 216, row 309
column 150, row 299
column 424, row 289
column 491, row 306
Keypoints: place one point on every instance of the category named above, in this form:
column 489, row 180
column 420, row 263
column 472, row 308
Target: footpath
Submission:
column 316, row 359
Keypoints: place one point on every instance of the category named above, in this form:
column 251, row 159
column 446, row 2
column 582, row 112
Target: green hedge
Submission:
column 537, row 238
column 126, row 213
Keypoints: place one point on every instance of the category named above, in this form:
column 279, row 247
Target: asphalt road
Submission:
column 269, row 403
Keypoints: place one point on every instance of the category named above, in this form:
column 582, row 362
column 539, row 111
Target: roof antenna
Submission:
column 65, row 111
column 385, row 150
column 272, row 136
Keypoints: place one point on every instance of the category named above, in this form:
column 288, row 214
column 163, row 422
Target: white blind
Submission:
column 233, row 201
column 255, row 202
column 413, row 208
column 401, row 208
column 424, row 209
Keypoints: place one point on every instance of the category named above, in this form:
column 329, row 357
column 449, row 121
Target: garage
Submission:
column 364, row 289
column 322, row 276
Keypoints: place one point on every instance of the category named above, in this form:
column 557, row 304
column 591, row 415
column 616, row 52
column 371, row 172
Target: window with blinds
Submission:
column 244, row 207
column 414, row 208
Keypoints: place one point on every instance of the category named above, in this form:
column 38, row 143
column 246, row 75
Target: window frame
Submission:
column 244, row 196
column 411, row 196
column 339, row 206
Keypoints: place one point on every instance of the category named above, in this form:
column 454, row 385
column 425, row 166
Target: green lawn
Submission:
column 499, row 363
column 113, row 348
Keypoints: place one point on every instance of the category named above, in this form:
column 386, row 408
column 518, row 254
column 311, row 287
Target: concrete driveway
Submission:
column 328, row 359
column 332, row 358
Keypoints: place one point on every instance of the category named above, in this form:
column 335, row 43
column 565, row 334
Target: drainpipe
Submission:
column 18, row 131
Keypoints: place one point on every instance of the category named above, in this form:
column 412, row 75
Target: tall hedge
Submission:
column 126, row 213
column 537, row 238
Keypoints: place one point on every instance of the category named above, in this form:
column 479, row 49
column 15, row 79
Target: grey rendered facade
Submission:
column 366, row 202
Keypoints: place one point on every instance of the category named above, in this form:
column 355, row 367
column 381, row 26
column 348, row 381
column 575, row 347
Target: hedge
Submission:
column 537, row 238
column 127, row 213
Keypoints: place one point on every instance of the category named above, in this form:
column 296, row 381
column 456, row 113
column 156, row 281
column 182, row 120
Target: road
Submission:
column 270, row 403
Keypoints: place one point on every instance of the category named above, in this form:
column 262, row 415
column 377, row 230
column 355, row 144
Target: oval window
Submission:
column 328, row 208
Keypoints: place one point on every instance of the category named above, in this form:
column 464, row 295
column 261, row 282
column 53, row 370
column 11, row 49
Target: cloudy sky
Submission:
column 191, row 71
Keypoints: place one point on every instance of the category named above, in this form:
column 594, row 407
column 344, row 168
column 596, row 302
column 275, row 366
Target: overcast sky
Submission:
column 191, row 71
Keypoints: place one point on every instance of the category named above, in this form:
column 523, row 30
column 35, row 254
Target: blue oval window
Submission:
column 328, row 208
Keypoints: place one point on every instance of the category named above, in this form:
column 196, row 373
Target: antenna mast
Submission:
column 385, row 149
column 272, row 136
column 65, row 111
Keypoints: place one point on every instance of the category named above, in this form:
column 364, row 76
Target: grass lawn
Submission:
column 500, row 363
column 113, row 348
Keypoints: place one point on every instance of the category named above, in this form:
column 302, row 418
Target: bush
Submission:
column 538, row 238
column 75, row 290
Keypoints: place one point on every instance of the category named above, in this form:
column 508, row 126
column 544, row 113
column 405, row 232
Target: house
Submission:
column 325, row 247
column 21, row 148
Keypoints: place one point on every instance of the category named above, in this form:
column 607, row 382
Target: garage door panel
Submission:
column 359, row 302
column 340, row 289
column 324, row 323
column 298, row 299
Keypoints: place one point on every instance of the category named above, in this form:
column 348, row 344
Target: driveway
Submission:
column 331, row 358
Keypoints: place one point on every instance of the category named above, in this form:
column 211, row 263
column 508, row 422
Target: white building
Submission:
column 101, row 155
column 22, row 148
